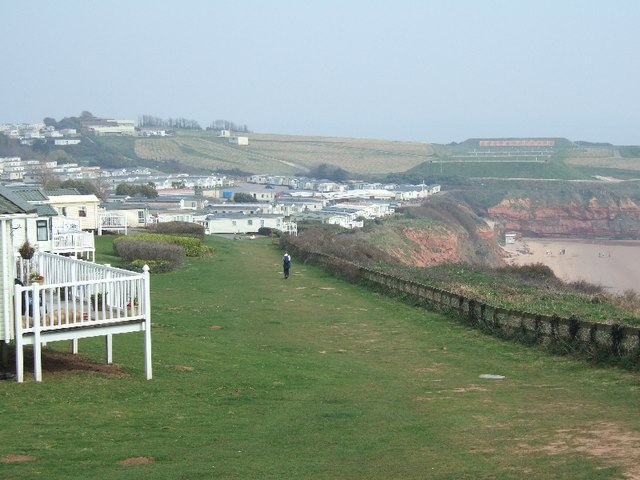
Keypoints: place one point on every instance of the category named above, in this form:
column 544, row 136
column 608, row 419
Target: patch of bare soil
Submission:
column 183, row 368
column 137, row 461
column 470, row 388
column 18, row 458
column 608, row 442
column 60, row 362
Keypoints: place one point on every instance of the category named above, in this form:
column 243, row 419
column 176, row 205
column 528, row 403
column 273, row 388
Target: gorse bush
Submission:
column 179, row 228
column 138, row 250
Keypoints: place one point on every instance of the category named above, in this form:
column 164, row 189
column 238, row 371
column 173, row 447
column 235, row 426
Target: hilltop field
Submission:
column 205, row 151
column 276, row 154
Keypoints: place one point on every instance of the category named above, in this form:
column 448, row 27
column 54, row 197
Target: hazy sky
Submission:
column 436, row 71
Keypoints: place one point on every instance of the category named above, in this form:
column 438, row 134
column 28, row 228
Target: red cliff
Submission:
column 612, row 219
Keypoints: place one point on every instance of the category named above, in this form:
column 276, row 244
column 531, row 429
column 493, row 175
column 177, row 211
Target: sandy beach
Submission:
column 612, row 264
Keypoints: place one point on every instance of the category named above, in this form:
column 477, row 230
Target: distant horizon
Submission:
column 203, row 128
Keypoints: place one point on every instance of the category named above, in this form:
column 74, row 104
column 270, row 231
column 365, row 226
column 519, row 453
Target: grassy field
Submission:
column 204, row 151
column 283, row 154
column 312, row 377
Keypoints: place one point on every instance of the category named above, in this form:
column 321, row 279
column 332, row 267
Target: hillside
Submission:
column 197, row 151
column 413, row 161
column 277, row 154
column 439, row 231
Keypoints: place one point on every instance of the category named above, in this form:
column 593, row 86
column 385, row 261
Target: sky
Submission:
column 423, row 70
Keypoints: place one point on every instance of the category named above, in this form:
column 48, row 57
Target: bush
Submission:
column 155, row 266
column 268, row 231
column 179, row 228
column 338, row 242
column 134, row 249
column 193, row 247
column 535, row 271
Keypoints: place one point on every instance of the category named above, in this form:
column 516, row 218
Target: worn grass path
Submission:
column 312, row 377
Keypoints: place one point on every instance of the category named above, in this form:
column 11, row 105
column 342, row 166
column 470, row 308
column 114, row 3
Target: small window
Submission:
column 43, row 230
column 141, row 216
column 250, row 222
column 82, row 211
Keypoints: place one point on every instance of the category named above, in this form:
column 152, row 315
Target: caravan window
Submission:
column 43, row 230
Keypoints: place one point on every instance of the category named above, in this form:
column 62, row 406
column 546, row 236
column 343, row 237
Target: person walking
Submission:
column 286, row 264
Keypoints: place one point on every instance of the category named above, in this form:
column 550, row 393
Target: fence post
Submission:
column 17, row 329
column 37, row 346
column 147, row 321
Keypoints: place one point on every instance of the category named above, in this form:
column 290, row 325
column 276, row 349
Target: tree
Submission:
column 330, row 172
column 132, row 190
column 41, row 146
column 46, row 177
column 243, row 198
column 50, row 122
column 149, row 190
column 87, row 187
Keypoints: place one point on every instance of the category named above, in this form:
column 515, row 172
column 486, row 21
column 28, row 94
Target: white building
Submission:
column 114, row 128
column 66, row 141
column 237, row 223
column 70, row 203
column 239, row 140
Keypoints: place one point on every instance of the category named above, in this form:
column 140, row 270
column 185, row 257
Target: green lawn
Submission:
column 256, row 377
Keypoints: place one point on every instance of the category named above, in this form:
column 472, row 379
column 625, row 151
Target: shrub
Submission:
column 268, row 231
column 535, row 271
column 336, row 241
column 155, row 266
column 179, row 228
column 193, row 247
column 134, row 249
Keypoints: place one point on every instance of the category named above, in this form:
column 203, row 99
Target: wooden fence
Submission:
column 570, row 334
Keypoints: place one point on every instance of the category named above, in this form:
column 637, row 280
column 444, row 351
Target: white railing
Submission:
column 112, row 222
column 63, row 224
column 77, row 299
column 73, row 242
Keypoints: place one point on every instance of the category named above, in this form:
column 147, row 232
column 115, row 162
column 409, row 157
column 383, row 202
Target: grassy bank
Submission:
column 258, row 377
column 530, row 288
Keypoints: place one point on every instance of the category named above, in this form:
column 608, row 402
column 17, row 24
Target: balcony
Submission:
column 80, row 244
column 77, row 299
column 113, row 223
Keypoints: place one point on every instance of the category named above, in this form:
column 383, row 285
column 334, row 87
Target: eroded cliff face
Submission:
column 436, row 246
column 614, row 219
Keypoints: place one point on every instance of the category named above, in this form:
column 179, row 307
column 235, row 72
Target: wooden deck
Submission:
column 101, row 301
